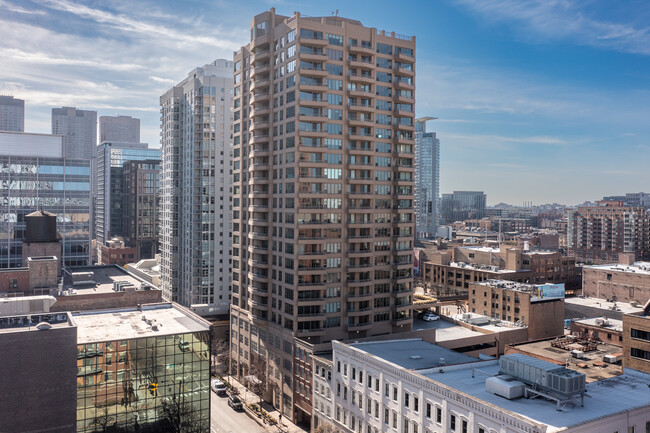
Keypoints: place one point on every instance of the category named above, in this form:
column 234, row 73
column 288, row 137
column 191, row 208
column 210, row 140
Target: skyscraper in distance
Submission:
column 12, row 114
column 427, row 180
column 195, row 214
column 124, row 129
column 322, row 194
column 79, row 127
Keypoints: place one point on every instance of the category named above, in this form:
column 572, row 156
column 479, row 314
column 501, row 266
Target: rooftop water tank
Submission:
column 41, row 227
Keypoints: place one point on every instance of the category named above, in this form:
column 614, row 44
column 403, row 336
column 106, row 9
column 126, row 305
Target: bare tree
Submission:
column 179, row 413
column 103, row 419
column 325, row 428
column 221, row 354
column 258, row 370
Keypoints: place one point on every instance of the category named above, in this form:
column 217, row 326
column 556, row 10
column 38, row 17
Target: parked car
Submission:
column 218, row 387
column 429, row 317
column 184, row 346
column 235, row 402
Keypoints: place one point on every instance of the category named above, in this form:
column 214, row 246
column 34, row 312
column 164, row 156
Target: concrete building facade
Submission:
column 79, row 127
column 12, row 114
column 121, row 129
column 195, row 214
column 598, row 234
column 323, row 222
column 427, row 180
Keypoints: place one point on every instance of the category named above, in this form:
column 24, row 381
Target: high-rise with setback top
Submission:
column 195, row 209
column 323, row 168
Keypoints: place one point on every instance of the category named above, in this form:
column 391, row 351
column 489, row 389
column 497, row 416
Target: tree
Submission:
column 221, row 354
column 179, row 414
column 103, row 419
column 258, row 370
column 325, row 428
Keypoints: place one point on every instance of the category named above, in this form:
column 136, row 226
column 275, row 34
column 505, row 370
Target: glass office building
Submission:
column 57, row 185
column 155, row 383
column 111, row 190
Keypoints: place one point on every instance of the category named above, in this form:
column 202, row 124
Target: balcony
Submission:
column 257, row 139
column 361, row 49
column 360, row 107
column 260, row 56
column 313, row 72
column 361, row 78
column 361, row 64
column 400, row 321
column 262, row 83
column 402, row 84
column 260, row 97
column 405, row 72
column 313, row 42
column 261, row 111
column 310, row 332
column 398, row 98
column 358, row 326
column 313, row 57
column 261, row 69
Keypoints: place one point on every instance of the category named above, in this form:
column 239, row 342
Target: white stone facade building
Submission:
column 196, row 183
column 402, row 386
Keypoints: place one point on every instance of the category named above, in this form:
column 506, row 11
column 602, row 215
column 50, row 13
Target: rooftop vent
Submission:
column 415, row 357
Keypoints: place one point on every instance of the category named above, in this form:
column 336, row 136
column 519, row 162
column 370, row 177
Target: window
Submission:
column 428, row 410
column 395, row 393
column 438, row 415
column 416, row 404
column 463, row 426
column 406, row 399
column 452, row 422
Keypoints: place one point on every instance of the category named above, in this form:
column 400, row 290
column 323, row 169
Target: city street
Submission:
column 223, row 419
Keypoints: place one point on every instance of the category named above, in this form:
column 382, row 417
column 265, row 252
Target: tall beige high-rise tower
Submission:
column 322, row 194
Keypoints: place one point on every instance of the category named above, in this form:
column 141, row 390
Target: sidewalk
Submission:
column 248, row 397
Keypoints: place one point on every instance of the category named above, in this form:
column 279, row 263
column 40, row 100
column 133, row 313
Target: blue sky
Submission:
column 537, row 100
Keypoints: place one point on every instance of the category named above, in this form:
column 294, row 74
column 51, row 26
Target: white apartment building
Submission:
column 123, row 129
column 12, row 114
column 79, row 127
column 196, row 179
column 411, row 386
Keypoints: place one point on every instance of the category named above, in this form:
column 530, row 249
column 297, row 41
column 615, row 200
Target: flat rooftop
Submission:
column 413, row 354
column 642, row 268
column 543, row 349
column 606, row 397
column 600, row 322
column 487, row 268
column 445, row 331
column 124, row 324
column 104, row 276
column 29, row 322
column 602, row 304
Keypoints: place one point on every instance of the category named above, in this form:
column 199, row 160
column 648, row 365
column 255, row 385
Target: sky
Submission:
column 537, row 100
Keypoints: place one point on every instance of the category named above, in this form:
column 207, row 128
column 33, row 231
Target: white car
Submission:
column 429, row 317
column 218, row 387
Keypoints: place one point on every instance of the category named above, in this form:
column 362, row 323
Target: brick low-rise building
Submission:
column 636, row 340
column 454, row 269
column 536, row 306
column 627, row 281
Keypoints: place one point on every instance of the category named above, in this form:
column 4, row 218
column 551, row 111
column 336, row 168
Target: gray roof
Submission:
column 413, row 354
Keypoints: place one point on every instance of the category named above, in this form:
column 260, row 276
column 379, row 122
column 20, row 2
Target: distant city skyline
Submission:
column 537, row 101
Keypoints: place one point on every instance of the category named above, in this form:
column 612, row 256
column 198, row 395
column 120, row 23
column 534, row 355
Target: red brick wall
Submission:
column 22, row 275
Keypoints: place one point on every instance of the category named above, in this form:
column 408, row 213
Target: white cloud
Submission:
column 565, row 19
column 19, row 10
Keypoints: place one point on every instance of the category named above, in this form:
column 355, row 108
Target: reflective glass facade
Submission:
column 60, row 186
column 154, row 384
column 111, row 198
column 427, row 172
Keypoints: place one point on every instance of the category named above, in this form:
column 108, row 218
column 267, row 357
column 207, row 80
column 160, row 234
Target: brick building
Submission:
column 598, row 234
column 454, row 269
column 627, row 281
column 534, row 306
column 636, row 340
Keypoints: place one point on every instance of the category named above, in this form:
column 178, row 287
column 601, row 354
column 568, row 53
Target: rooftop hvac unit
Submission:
column 543, row 374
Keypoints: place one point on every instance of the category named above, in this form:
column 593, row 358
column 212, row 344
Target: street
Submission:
column 223, row 419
